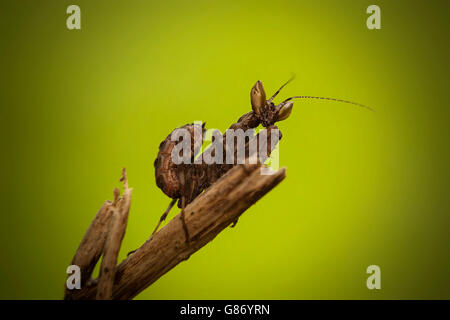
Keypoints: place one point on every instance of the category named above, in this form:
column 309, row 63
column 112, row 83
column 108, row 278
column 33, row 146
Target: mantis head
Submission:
column 268, row 113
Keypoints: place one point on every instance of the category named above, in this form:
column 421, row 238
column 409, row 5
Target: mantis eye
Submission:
column 258, row 97
column 285, row 110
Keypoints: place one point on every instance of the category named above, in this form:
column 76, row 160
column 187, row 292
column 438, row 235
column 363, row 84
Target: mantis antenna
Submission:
column 278, row 91
column 332, row 99
column 314, row 97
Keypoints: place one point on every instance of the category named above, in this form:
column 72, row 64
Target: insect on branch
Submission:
column 211, row 197
column 207, row 216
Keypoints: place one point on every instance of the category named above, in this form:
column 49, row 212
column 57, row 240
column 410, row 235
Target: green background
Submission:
column 362, row 188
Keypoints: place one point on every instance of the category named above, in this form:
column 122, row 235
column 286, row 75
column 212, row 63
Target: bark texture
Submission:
column 209, row 214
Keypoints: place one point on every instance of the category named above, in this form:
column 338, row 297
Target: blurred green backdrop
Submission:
column 362, row 188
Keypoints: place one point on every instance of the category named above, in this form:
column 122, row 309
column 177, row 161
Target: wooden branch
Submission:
column 209, row 214
column 114, row 240
column 104, row 235
column 91, row 246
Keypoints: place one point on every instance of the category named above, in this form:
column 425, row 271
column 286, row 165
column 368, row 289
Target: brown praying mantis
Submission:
column 184, row 182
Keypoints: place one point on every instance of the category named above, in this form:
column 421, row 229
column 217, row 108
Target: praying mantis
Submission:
column 184, row 182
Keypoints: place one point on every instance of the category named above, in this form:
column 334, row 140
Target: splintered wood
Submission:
column 103, row 237
column 209, row 214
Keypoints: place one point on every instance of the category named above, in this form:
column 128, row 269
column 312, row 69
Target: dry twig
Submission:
column 210, row 213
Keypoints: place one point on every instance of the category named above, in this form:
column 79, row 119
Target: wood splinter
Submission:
column 104, row 237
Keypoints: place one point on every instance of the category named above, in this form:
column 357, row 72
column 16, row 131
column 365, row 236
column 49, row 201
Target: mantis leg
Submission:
column 164, row 216
column 183, row 219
